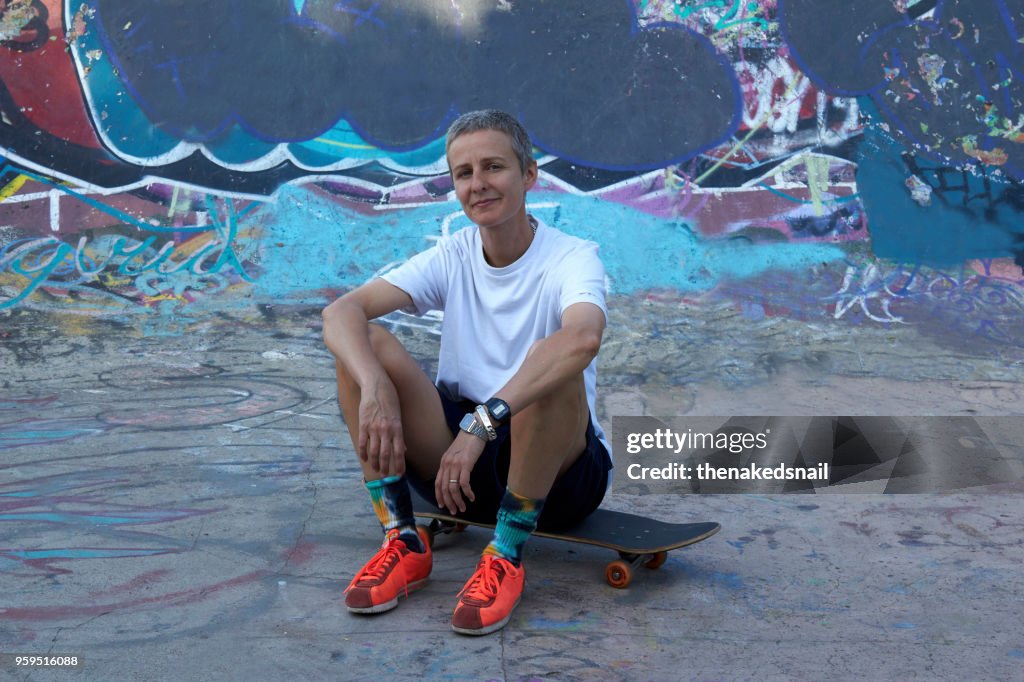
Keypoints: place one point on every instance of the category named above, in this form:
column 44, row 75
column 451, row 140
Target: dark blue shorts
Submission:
column 574, row 495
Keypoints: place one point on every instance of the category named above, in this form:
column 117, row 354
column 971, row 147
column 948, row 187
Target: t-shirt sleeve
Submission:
column 583, row 279
column 424, row 277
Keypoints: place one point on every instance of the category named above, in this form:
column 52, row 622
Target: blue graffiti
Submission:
column 312, row 244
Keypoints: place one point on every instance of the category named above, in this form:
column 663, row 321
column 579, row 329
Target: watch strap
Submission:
column 472, row 426
column 484, row 417
column 498, row 410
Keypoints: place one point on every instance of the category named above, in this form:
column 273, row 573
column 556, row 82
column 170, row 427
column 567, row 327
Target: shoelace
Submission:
column 377, row 567
column 483, row 586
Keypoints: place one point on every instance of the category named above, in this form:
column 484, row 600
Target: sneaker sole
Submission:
column 487, row 629
column 388, row 605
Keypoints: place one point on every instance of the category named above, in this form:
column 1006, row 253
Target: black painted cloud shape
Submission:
column 590, row 85
column 952, row 83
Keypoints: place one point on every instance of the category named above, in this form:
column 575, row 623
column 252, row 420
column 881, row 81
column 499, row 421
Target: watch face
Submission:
column 470, row 425
column 498, row 409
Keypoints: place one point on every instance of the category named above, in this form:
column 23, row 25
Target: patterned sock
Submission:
column 517, row 519
column 393, row 505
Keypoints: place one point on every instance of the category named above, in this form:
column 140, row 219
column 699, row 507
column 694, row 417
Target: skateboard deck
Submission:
column 638, row 540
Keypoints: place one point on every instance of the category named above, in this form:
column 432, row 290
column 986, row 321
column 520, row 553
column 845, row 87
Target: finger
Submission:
column 439, row 489
column 466, row 488
column 442, row 496
column 373, row 451
column 395, row 463
column 398, row 448
column 398, row 443
column 384, row 453
column 364, row 439
column 455, row 492
column 449, row 499
column 445, row 495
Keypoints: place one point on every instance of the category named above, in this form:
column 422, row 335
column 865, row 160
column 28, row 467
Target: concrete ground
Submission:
column 186, row 507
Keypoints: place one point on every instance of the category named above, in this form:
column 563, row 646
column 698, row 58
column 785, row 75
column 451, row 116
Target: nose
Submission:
column 479, row 184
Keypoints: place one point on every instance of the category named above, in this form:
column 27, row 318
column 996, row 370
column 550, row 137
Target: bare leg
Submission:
column 423, row 425
column 547, row 437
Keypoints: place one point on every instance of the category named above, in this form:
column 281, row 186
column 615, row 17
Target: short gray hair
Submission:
column 493, row 119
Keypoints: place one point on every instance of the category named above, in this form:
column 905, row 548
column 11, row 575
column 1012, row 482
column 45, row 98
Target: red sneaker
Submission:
column 393, row 570
column 488, row 599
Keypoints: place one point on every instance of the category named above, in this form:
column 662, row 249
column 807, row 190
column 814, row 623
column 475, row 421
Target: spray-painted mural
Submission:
column 757, row 172
column 176, row 159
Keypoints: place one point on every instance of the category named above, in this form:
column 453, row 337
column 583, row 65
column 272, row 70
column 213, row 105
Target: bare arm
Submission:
column 556, row 358
column 346, row 326
column 550, row 362
column 347, row 336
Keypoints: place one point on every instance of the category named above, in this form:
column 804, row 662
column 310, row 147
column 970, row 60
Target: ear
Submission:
column 530, row 175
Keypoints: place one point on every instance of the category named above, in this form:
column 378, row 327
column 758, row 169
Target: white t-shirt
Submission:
column 493, row 315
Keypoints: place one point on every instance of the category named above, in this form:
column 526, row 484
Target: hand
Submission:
column 380, row 429
column 456, row 465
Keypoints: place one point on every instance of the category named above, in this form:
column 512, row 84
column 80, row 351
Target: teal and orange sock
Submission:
column 393, row 505
column 517, row 519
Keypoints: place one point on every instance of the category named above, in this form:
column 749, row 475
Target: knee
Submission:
column 565, row 405
column 571, row 392
column 380, row 341
column 384, row 344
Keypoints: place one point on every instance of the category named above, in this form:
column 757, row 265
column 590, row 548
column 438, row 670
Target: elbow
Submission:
column 333, row 317
column 327, row 316
column 332, row 310
column 588, row 343
column 337, row 310
column 325, row 328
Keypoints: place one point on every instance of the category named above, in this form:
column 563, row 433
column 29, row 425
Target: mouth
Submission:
column 483, row 202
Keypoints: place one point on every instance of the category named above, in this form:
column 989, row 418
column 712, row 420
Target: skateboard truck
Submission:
column 619, row 573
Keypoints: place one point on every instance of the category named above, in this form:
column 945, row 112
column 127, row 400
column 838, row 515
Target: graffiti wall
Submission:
column 849, row 163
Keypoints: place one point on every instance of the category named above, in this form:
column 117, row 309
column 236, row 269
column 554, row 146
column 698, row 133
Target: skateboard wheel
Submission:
column 618, row 574
column 460, row 527
column 657, row 560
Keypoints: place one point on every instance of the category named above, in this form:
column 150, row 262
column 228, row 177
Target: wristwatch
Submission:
column 499, row 410
column 470, row 425
column 484, row 417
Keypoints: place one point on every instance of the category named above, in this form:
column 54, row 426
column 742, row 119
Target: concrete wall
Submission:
column 164, row 162
column 776, row 185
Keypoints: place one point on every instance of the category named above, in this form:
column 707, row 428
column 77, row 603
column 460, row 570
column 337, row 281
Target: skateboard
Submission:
column 640, row 541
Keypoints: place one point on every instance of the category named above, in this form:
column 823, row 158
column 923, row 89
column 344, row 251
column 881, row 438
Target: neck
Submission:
column 505, row 244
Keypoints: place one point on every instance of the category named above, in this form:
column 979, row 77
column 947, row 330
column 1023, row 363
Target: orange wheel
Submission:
column 657, row 560
column 460, row 527
column 618, row 574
